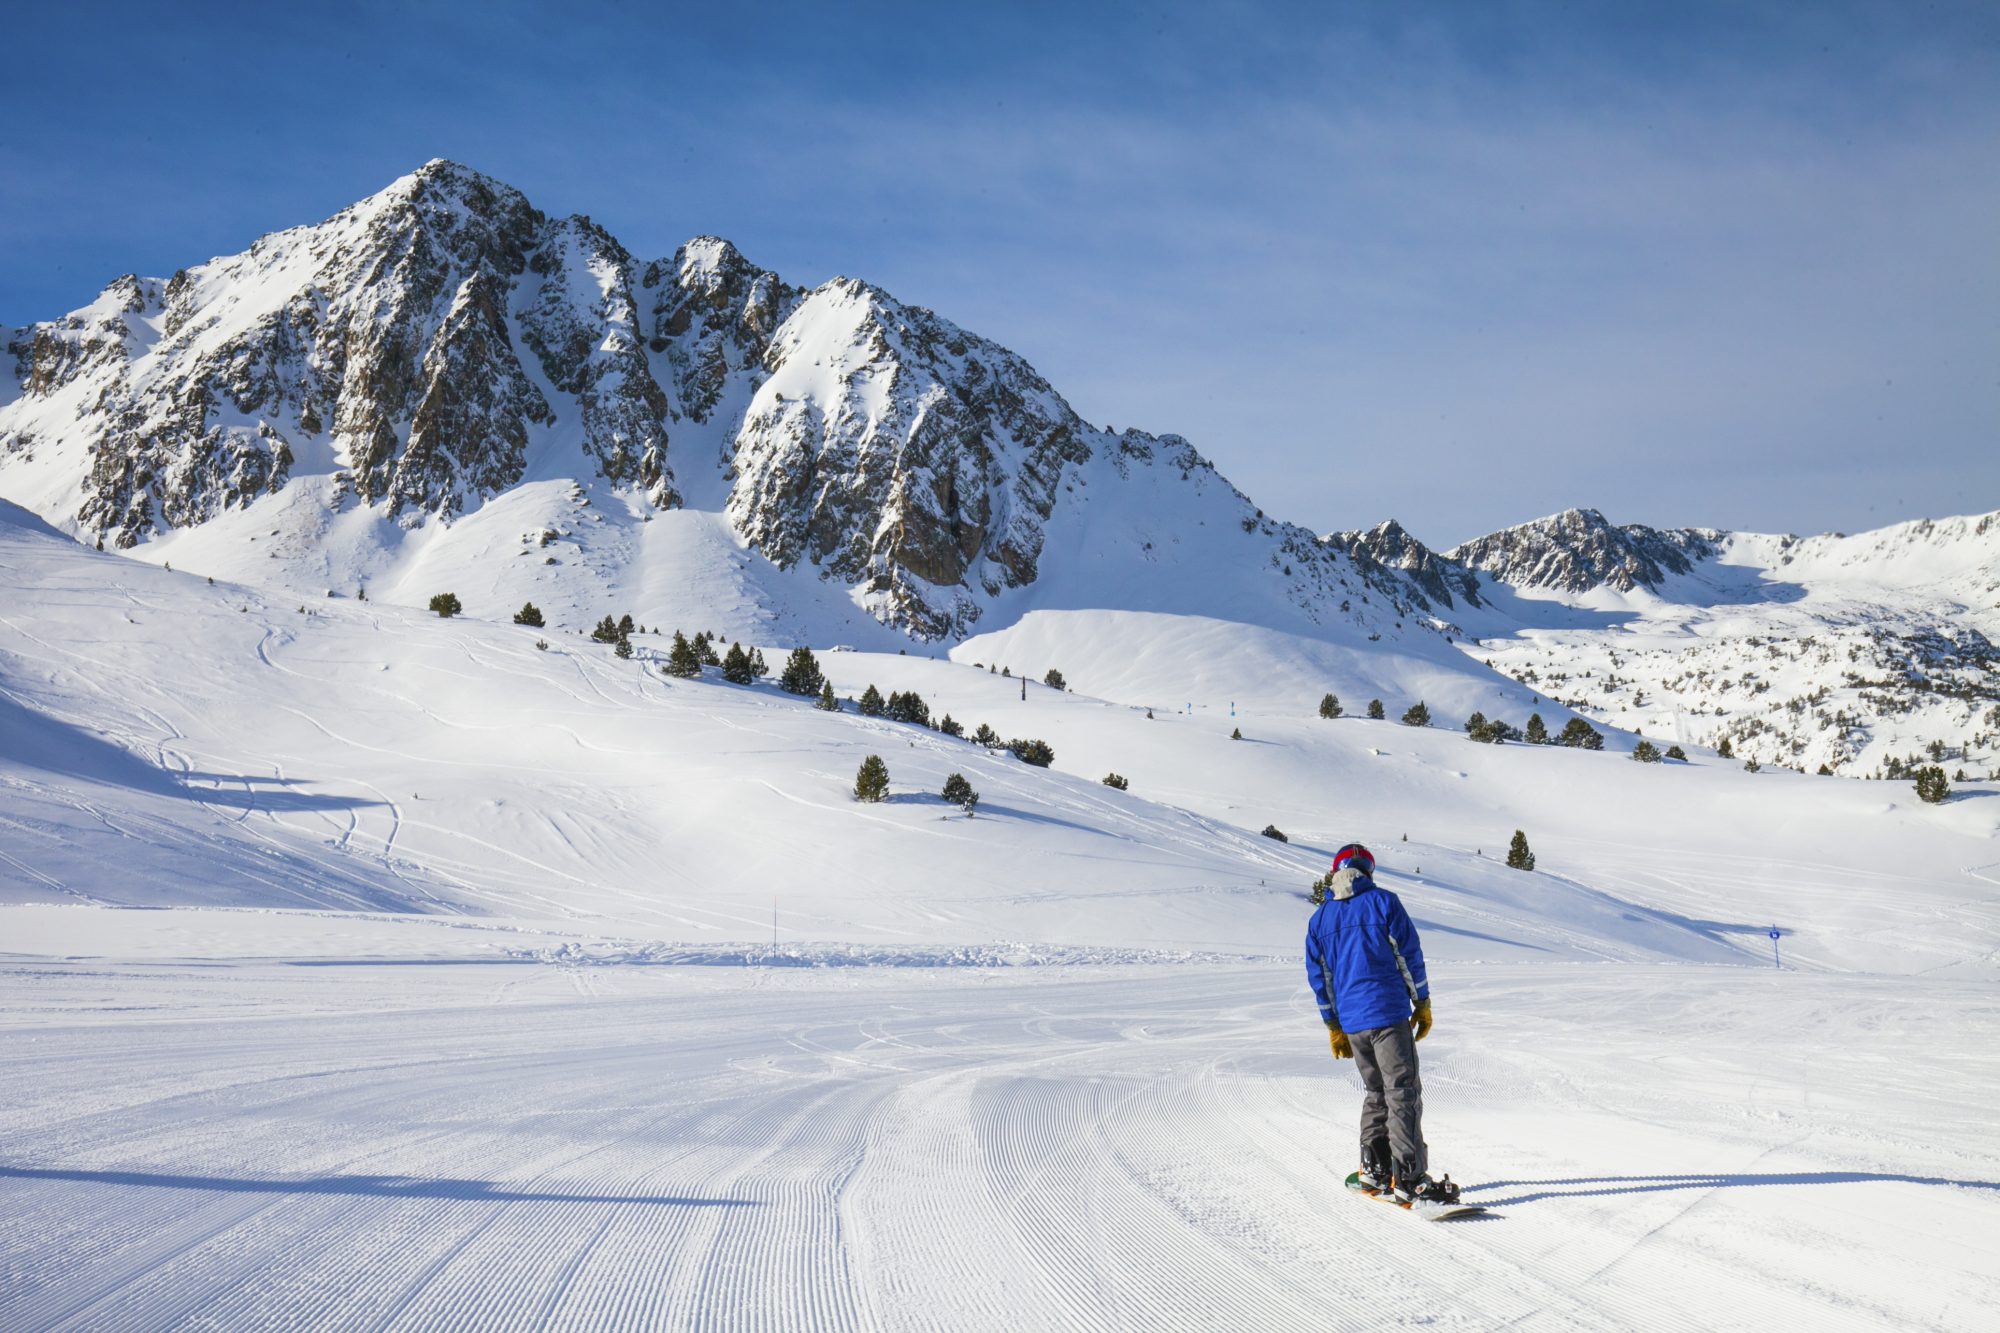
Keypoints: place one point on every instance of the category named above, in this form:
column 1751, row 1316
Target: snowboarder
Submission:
column 1366, row 969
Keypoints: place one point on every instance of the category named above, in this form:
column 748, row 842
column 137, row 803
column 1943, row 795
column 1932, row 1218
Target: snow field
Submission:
column 514, row 1145
column 361, row 968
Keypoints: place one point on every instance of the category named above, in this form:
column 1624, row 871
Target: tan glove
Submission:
column 1343, row 1049
column 1421, row 1020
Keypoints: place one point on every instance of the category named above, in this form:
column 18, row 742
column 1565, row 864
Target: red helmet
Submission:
column 1354, row 854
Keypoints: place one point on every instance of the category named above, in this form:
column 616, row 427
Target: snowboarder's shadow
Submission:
column 1572, row 1188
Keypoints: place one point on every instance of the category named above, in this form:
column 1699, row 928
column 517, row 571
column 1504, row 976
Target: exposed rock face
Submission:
column 901, row 453
column 387, row 336
column 1578, row 550
column 712, row 314
column 1435, row 582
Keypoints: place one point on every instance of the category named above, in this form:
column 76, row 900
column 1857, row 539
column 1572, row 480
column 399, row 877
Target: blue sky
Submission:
column 1729, row 265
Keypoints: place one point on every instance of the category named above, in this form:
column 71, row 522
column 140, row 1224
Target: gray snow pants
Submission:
column 1393, row 1107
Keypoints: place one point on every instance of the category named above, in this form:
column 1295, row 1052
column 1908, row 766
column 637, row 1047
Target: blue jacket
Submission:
column 1362, row 957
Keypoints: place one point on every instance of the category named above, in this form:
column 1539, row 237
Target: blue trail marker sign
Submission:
column 1774, row 948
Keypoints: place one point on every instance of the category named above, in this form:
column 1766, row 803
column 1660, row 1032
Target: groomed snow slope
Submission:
column 1057, row 1067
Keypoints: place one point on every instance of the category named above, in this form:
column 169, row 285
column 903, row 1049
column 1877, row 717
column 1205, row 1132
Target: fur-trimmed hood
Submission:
column 1348, row 883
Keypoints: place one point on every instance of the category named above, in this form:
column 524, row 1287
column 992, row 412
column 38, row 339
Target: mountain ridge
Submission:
column 440, row 343
column 441, row 386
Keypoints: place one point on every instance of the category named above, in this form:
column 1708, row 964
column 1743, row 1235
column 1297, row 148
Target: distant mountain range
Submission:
column 442, row 387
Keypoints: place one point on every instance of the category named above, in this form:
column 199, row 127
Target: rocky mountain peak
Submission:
column 437, row 343
column 1431, row 580
column 1579, row 549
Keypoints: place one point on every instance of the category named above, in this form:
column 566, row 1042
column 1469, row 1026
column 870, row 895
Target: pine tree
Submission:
column 682, row 662
column 871, row 702
column 986, row 736
column 1329, row 706
column 758, row 668
column 951, row 726
column 1580, row 735
column 1477, row 722
column 1645, row 752
column 802, row 674
column 1319, row 888
column 446, row 604
column 1236, row 733
column 1375, row 709
column 1538, row 730
column 956, row 789
column 909, row 707
column 826, row 702
column 1114, row 780
column 1033, row 752
column 1726, row 750
column 871, row 782
column 1752, row 766
column 1932, row 786
column 622, row 650
column 529, row 615
column 1518, row 855
column 1417, row 716
column 1054, row 680
column 704, row 647
column 606, row 631
column 1676, row 752
column 736, row 665
column 625, row 625
column 1824, row 771
column 1274, row 832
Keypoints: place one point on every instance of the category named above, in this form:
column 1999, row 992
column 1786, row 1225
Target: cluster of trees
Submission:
column 618, row 633
column 1576, row 733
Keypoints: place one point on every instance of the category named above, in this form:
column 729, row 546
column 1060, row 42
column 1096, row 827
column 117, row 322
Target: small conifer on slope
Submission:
column 801, row 674
column 682, row 661
column 871, row 782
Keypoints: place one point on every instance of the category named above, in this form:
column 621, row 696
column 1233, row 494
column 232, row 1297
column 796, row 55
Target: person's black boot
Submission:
column 1417, row 1187
column 1377, row 1172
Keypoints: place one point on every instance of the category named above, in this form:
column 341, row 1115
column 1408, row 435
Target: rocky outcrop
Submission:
column 1578, row 550
column 1434, row 582
column 898, row 452
column 390, row 335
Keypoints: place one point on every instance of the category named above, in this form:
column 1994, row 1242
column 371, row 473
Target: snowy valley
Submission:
column 367, row 966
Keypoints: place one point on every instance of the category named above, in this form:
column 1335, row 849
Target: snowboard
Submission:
column 1430, row 1212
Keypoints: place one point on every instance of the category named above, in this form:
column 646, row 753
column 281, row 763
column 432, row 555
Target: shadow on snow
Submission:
column 378, row 1187
column 1610, row 1185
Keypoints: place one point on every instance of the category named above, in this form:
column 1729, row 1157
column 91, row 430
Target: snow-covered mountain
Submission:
column 1863, row 654
column 443, row 388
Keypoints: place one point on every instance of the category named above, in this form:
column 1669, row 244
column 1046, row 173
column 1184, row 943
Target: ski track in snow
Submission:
column 1147, row 1147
